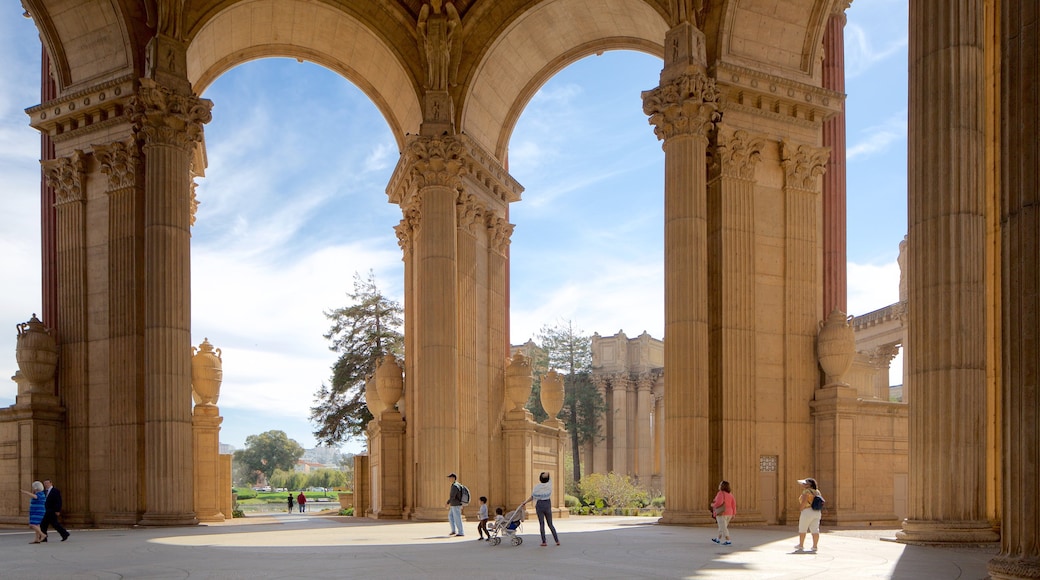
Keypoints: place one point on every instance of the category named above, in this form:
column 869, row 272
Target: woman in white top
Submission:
column 543, row 505
column 809, row 519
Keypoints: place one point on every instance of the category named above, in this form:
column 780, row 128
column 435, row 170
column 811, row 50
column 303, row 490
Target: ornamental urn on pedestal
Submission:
column 552, row 394
column 372, row 400
column 389, row 383
column 836, row 346
column 206, row 374
column 36, row 351
column 518, row 380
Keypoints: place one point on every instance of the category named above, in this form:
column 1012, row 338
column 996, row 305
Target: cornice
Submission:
column 85, row 111
column 763, row 94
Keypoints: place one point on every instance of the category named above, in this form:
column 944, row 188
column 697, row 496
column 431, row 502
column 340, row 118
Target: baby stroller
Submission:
column 509, row 528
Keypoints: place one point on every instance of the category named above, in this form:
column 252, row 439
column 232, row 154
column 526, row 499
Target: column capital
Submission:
column 686, row 105
column 118, row 160
column 500, row 233
column 65, row 175
column 735, row 154
column 802, row 165
column 162, row 117
column 470, row 213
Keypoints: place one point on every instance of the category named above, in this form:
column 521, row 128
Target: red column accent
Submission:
column 48, row 241
column 835, row 276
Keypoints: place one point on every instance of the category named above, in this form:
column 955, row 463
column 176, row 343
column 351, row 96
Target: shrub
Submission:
column 347, row 512
column 237, row 514
column 570, row 502
column 658, row 502
column 612, row 489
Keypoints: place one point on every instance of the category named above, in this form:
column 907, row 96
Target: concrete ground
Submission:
column 323, row 546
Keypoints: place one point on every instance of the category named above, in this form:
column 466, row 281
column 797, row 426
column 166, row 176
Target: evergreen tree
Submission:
column 362, row 333
column 267, row 452
column 565, row 349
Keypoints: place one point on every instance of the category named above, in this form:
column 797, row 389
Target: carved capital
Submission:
column 436, row 161
column 686, row 105
column 162, row 117
column 408, row 228
column 881, row 357
column 66, row 176
column 736, row 154
column 803, row 165
column 119, row 161
column 469, row 213
column 500, row 233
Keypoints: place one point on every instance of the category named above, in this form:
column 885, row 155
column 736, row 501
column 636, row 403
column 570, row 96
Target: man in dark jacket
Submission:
column 53, row 507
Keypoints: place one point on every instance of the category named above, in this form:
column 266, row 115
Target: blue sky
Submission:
column 293, row 203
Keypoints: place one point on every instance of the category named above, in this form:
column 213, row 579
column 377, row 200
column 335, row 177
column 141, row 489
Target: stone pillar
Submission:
column 835, row 276
column 644, row 449
column 731, row 238
column 405, row 238
column 881, row 359
column 206, row 377
column 683, row 110
column 802, row 165
column 619, row 416
column 48, row 230
column 599, row 451
column 1019, row 199
column 120, row 161
column 169, row 125
column 67, row 177
column 499, row 231
column 473, row 432
column 946, row 275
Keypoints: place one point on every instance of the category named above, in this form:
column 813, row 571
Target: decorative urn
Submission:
column 36, row 351
column 836, row 346
column 372, row 400
column 389, row 382
column 518, row 380
column 206, row 374
column 552, row 393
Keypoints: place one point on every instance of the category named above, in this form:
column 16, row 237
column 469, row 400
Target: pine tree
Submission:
column 362, row 333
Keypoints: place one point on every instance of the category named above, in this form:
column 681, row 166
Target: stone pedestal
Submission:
column 387, row 466
column 362, row 486
column 205, row 426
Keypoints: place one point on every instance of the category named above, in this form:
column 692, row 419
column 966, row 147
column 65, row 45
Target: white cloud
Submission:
column 861, row 54
column 872, row 286
column 879, row 138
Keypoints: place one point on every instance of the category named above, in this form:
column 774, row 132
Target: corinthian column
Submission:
column 1019, row 200
column 169, row 125
column 835, row 277
column 434, row 166
column 731, row 194
column 946, row 275
column 683, row 111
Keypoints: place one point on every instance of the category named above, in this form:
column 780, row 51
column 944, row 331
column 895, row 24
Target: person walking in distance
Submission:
column 301, row 500
column 723, row 507
column 454, row 504
column 290, row 501
column 53, row 511
column 542, row 494
column 809, row 519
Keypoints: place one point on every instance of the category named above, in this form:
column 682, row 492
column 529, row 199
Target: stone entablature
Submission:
column 779, row 98
column 90, row 110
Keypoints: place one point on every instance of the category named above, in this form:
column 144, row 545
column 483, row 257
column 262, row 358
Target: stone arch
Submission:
column 776, row 41
column 303, row 30
column 87, row 42
column 538, row 44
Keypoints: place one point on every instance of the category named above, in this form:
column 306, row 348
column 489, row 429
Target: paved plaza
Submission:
column 322, row 547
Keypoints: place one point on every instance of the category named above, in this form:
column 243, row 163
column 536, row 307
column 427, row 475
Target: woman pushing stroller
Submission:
column 542, row 494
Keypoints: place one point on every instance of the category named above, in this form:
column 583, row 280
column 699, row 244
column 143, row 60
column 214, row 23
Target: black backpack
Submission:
column 817, row 503
column 464, row 494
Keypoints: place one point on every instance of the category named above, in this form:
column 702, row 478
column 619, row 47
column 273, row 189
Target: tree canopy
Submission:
column 266, row 452
column 568, row 350
column 364, row 331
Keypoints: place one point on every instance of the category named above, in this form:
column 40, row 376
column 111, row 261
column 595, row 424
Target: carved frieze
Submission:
column 162, row 117
column 762, row 94
column 735, row 154
column 118, row 160
column 97, row 108
column 66, row 176
column 686, row 105
column 803, row 164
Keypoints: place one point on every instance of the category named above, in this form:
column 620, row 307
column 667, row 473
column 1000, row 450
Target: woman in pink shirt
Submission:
column 724, row 507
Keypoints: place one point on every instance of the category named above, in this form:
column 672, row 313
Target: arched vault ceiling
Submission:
column 310, row 30
column 87, row 41
column 777, row 36
column 539, row 43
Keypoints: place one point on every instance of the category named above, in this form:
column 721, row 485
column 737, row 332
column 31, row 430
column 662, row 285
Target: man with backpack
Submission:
column 457, row 497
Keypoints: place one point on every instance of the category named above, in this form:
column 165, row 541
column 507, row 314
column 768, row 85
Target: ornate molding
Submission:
column 408, row 227
column 765, row 95
column 736, row 154
column 163, row 117
column 500, row 233
column 119, row 161
column 66, row 175
column 97, row 108
column 686, row 105
column 803, row 164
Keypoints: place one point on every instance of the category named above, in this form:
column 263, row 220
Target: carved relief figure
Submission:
column 437, row 33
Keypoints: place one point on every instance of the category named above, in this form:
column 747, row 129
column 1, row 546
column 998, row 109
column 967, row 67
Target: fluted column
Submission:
column 600, row 457
column 619, row 415
column 683, row 110
column 1019, row 199
column 405, row 232
column 644, row 463
column 66, row 176
column 169, row 125
column 120, row 162
column 472, row 378
column 946, row 275
column 731, row 238
column 435, row 168
column 500, row 232
column 835, row 277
